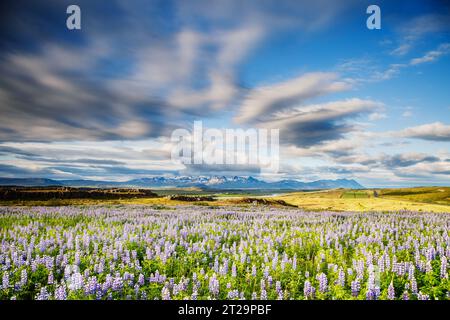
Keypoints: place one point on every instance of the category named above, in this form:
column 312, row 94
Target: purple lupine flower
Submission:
column 224, row 269
column 360, row 269
column 275, row 261
column 387, row 262
column 263, row 284
column 414, row 285
column 278, row 287
column 216, row 264
column 117, row 283
column 373, row 291
column 341, row 278
column 141, row 280
column 50, row 278
column 308, row 290
column 411, row 272
column 91, row 285
column 43, row 294
column 194, row 295
column 23, row 278
column 108, row 283
column 253, row 271
column 67, row 272
column 175, row 289
column 405, row 295
column 214, row 285
column 75, row 281
column 266, row 272
column 233, row 294
column 263, row 294
column 280, row 295
column 77, row 258
column 5, row 280
column 444, row 267
column 136, row 290
column 391, row 291
column 381, row 264
column 165, row 293
column 323, row 282
column 421, row 296
column 356, row 287
column 370, row 294
column 101, row 267
column 60, row 292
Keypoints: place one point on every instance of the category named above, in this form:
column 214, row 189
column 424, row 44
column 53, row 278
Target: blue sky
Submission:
column 101, row 102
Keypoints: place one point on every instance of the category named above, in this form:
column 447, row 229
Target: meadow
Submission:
column 203, row 252
column 422, row 199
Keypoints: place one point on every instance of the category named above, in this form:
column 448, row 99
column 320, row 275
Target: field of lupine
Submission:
column 136, row 252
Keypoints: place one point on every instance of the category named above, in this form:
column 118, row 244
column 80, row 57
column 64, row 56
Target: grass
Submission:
column 416, row 199
column 356, row 194
column 425, row 199
column 436, row 195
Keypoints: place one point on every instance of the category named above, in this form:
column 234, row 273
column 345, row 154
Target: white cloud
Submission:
column 231, row 46
column 390, row 72
column 377, row 116
column 430, row 56
column 401, row 49
column 415, row 29
column 436, row 131
column 262, row 102
column 425, row 169
column 407, row 114
column 364, row 70
column 316, row 123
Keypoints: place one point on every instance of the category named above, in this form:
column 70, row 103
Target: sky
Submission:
column 101, row 102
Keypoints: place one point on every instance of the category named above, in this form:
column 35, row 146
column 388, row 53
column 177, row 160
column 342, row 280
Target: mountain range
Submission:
column 204, row 182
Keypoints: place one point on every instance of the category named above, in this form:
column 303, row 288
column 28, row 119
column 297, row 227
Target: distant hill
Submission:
column 204, row 182
column 29, row 182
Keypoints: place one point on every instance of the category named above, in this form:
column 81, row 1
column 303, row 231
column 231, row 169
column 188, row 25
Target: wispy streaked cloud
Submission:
column 262, row 102
column 312, row 124
column 430, row 56
column 414, row 30
column 436, row 131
